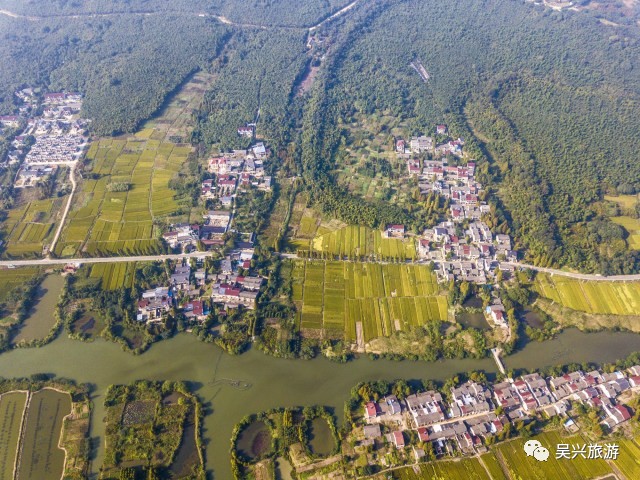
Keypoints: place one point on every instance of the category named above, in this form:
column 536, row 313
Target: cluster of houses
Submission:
column 57, row 136
column 235, row 286
column 240, row 169
column 475, row 411
column 470, row 254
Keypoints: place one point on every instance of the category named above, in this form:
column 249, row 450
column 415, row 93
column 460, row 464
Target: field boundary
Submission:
column 16, row 465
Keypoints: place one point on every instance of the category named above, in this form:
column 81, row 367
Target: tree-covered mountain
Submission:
column 545, row 100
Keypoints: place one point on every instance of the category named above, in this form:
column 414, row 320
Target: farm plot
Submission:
column 40, row 456
column 356, row 241
column 12, row 406
column 519, row 465
column 114, row 275
column 108, row 222
column 632, row 226
column 627, row 461
column 616, row 298
column 113, row 222
column 26, row 229
column 463, row 469
column 11, row 278
column 336, row 296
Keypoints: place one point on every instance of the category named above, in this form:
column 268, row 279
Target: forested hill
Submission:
column 551, row 94
column 297, row 13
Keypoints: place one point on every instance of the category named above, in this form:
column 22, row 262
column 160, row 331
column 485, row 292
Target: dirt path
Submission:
column 72, row 177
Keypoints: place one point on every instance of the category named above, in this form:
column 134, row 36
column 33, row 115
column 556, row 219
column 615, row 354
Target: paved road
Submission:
column 64, row 261
column 578, row 276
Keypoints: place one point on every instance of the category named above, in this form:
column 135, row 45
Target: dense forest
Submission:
column 552, row 96
column 125, row 67
column 263, row 12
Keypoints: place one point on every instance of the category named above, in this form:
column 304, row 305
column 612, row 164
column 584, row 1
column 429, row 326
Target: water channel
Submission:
column 231, row 387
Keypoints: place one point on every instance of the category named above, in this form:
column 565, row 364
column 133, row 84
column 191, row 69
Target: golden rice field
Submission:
column 357, row 241
column 518, row 465
column 335, row 296
column 598, row 297
column 27, row 228
column 114, row 275
column 107, row 222
column 11, row 278
column 462, row 469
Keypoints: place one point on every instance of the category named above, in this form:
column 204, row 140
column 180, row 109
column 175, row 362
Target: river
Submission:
column 233, row 386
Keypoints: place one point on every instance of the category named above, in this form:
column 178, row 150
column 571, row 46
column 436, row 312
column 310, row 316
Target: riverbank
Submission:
column 221, row 380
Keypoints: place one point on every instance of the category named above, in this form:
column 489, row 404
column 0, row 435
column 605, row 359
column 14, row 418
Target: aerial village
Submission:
column 462, row 247
column 235, row 286
column 43, row 142
column 474, row 412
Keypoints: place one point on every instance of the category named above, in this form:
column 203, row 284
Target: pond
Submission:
column 472, row 302
column 474, row 320
column 234, row 386
column 41, row 320
column 255, row 440
column 320, row 438
column 533, row 319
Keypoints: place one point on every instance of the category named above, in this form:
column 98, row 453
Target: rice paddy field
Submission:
column 519, row 465
column 356, row 241
column 335, row 296
column 104, row 222
column 29, row 227
column 598, row 297
column 107, row 222
column 40, row 456
column 628, row 461
column 11, row 278
column 463, row 469
column 114, row 275
column 12, row 406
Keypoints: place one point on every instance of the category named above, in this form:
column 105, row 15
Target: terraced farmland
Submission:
column 11, row 411
column 335, row 296
column 519, row 465
column 617, row 298
column 40, row 456
column 355, row 241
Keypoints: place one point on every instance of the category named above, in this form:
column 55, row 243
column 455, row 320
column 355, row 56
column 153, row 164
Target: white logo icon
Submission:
column 541, row 454
column 533, row 448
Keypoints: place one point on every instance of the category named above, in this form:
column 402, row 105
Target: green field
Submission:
column 355, row 241
column 103, row 222
column 27, row 228
column 108, row 222
column 628, row 461
column 520, row 466
column 599, row 297
column 11, row 278
column 114, row 275
column 11, row 410
column 492, row 465
column 335, row 296
column 40, row 455
column 632, row 226
column 463, row 469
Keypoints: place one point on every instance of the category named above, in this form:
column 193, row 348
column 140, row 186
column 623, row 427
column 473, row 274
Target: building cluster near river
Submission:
column 477, row 411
